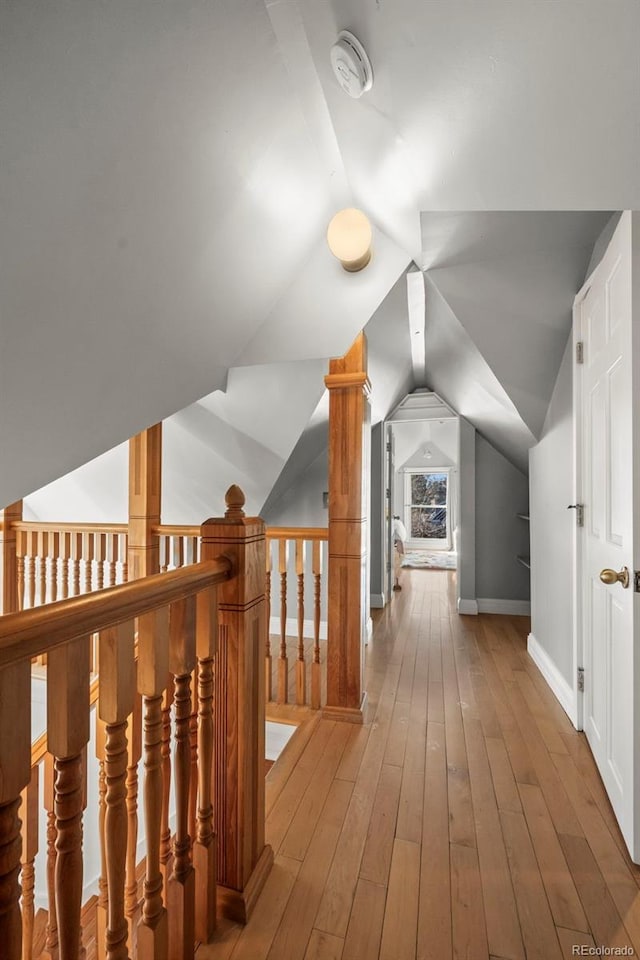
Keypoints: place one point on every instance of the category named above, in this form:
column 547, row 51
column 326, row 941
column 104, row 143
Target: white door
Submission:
column 609, row 373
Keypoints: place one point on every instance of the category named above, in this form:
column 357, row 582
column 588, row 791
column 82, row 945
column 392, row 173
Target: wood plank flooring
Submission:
column 465, row 819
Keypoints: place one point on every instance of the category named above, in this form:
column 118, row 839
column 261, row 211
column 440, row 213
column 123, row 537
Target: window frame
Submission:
column 430, row 543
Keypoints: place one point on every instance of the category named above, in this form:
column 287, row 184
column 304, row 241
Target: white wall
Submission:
column 551, row 490
column 501, row 493
column 467, row 521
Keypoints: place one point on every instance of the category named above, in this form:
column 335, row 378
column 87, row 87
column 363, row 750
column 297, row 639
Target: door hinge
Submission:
column 388, row 446
column 579, row 509
column 580, row 679
column 580, row 351
column 388, row 493
column 636, row 581
column 388, row 567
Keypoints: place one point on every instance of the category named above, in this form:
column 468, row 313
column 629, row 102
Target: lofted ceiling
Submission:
column 167, row 172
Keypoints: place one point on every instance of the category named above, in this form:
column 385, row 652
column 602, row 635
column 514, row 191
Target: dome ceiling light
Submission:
column 351, row 65
column 349, row 239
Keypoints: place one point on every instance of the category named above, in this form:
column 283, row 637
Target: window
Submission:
column 427, row 507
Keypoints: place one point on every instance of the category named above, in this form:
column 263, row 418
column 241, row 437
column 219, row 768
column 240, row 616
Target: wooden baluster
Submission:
column 30, row 810
column 68, row 692
column 65, row 554
column 165, row 834
column 164, row 554
column 15, row 764
column 87, row 553
column 111, row 556
column 301, row 671
column 103, row 896
column 316, row 674
column 100, row 542
column 54, row 553
column 178, row 552
column 123, row 553
column 181, row 886
column 268, row 665
column 193, row 744
column 76, row 554
column 243, row 860
column 21, row 551
column 31, row 570
column 283, row 662
column 42, row 551
column 153, row 669
column 205, row 848
column 115, row 704
column 134, row 752
column 195, row 549
column 51, row 940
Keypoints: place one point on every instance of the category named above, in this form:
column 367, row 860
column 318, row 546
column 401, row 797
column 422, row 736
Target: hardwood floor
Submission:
column 465, row 819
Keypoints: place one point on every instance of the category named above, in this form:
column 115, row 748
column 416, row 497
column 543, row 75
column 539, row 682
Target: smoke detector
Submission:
column 351, row 65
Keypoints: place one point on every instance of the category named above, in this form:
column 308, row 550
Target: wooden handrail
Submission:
column 46, row 525
column 165, row 529
column 175, row 530
column 33, row 632
column 297, row 533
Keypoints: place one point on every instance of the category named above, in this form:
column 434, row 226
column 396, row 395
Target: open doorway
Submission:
column 423, row 490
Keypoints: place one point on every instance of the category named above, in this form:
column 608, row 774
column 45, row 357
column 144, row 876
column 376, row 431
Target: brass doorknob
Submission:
column 610, row 577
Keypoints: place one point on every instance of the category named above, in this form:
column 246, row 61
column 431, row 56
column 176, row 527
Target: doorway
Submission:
column 429, row 458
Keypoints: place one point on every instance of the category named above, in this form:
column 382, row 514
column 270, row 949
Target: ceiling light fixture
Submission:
column 349, row 239
column 351, row 65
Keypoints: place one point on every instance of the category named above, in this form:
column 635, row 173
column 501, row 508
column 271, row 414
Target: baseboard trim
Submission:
column 509, row 608
column 377, row 601
column 560, row 688
column 292, row 627
column 467, row 607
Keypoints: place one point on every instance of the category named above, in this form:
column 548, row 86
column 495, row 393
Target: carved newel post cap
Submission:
column 235, row 500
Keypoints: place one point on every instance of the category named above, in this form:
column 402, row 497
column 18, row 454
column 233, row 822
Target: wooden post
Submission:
column 349, row 388
column 145, row 491
column 153, row 671
column 15, row 774
column 239, row 708
column 205, row 846
column 68, row 696
column 30, row 811
column 181, row 884
column 115, row 705
column 8, row 558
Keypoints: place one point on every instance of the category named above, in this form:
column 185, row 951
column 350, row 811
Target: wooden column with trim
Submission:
column 349, row 446
column 244, row 861
column 8, row 558
column 145, row 493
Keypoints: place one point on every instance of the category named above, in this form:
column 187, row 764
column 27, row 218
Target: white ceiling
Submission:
column 167, row 172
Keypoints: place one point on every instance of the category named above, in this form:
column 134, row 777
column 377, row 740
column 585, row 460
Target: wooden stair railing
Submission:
column 60, row 553
column 204, row 621
column 298, row 552
column 56, row 561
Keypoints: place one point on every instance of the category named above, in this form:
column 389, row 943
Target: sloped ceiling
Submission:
column 167, row 171
column 500, row 292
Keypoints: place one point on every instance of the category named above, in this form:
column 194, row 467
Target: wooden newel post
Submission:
column 145, row 494
column 239, row 708
column 8, row 558
column 349, row 465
